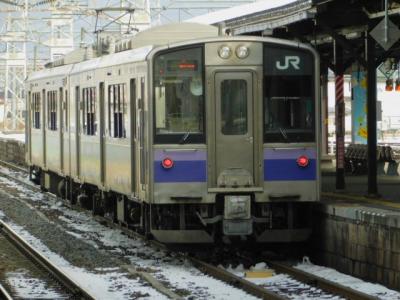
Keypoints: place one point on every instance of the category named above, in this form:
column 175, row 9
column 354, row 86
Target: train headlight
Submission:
column 224, row 52
column 242, row 52
column 167, row 163
column 303, row 161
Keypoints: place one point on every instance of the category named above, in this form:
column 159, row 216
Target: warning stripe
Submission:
column 339, row 88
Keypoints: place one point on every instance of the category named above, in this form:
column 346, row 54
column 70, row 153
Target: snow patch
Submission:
column 350, row 281
column 26, row 287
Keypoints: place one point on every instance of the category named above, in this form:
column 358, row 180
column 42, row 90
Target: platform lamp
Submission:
column 397, row 87
column 389, row 85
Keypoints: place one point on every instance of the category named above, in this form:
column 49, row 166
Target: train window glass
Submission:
column 36, row 110
column 52, row 110
column 289, row 97
column 89, row 107
column 66, row 117
column 179, row 96
column 234, row 107
column 117, row 110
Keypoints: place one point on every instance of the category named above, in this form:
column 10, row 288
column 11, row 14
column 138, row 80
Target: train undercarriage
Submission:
column 185, row 223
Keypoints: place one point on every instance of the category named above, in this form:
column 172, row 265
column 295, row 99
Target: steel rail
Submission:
column 14, row 166
column 322, row 283
column 77, row 291
column 4, row 294
column 234, row 280
column 231, row 279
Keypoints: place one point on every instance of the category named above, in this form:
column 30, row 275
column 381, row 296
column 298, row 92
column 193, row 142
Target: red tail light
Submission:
column 303, row 161
column 167, row 163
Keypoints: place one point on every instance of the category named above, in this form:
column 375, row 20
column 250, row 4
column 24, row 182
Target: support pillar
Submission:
column 371, row 117
column 324, row 113
column 340, row 117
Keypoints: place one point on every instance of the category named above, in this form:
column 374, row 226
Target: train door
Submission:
column 78, row 129
column 132, row 87
column 61, row 128
column 102, row 133
column 44, row 118
column 142, row 149
column 28, row 126
column 66, row 136
column 234, row 132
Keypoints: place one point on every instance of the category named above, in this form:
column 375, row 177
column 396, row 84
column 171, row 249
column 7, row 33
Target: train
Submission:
column 183, row 133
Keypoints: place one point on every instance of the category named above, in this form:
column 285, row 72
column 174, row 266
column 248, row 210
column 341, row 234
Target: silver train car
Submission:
column 183, row 134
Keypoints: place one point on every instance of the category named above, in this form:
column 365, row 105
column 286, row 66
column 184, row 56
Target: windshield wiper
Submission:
column 283, row 132
column 184, row 138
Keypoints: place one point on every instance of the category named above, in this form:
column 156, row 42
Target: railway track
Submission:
column 72, row 287
column 220, row 273
column 319, row 282
column 4, row 294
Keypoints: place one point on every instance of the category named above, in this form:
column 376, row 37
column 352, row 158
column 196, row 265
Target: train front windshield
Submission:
column 179, row 96
column 289, row 96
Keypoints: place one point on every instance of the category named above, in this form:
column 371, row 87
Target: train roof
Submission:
column 129, row 56
column 126, row 51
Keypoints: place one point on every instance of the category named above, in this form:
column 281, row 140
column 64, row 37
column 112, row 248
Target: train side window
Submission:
column 89, row 122
column 52, row 110
column 36, row 110
column 117, row 110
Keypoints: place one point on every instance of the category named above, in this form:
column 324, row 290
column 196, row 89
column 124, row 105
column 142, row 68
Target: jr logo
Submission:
column 293, row 61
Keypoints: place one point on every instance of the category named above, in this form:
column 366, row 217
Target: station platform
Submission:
column 357, row 234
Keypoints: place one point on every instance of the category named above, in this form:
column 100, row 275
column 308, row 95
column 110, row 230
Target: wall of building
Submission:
column 359, row 241
column 12, row 151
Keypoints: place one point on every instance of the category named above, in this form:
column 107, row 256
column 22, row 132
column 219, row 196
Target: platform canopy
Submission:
column 360, row 33
column 318, row 22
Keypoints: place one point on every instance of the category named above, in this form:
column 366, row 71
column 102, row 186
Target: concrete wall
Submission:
column 12, row 151
column 359, row 241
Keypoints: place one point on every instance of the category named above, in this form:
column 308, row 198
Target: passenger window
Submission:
column 36, row 110
column 52, row 110
column 117, row 110
column 234, row 107
column 88, row 120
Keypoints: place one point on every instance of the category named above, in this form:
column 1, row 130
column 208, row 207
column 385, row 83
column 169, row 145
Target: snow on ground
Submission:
column 110, row 285
column 282, row 284
column 13, row 136
column 350, row 281
column 178, row 273
column 238, row 11
column 26, row 287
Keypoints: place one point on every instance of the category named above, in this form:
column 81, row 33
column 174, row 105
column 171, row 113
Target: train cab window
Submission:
column 179, row 96
column 89, row 107
column 117, row 110
column 52, row 110
column 36, row 110
column 289, row 96
column 234, row 107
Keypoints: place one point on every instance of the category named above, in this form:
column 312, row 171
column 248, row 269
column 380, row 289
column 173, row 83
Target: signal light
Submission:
column 389, row 85
column 167, row 163
column 303, row 161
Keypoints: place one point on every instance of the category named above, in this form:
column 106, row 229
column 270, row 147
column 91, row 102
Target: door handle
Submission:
column 250, row 139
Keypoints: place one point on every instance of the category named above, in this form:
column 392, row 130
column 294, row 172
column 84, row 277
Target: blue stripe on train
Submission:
column 287, row 169
column 182, row 171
